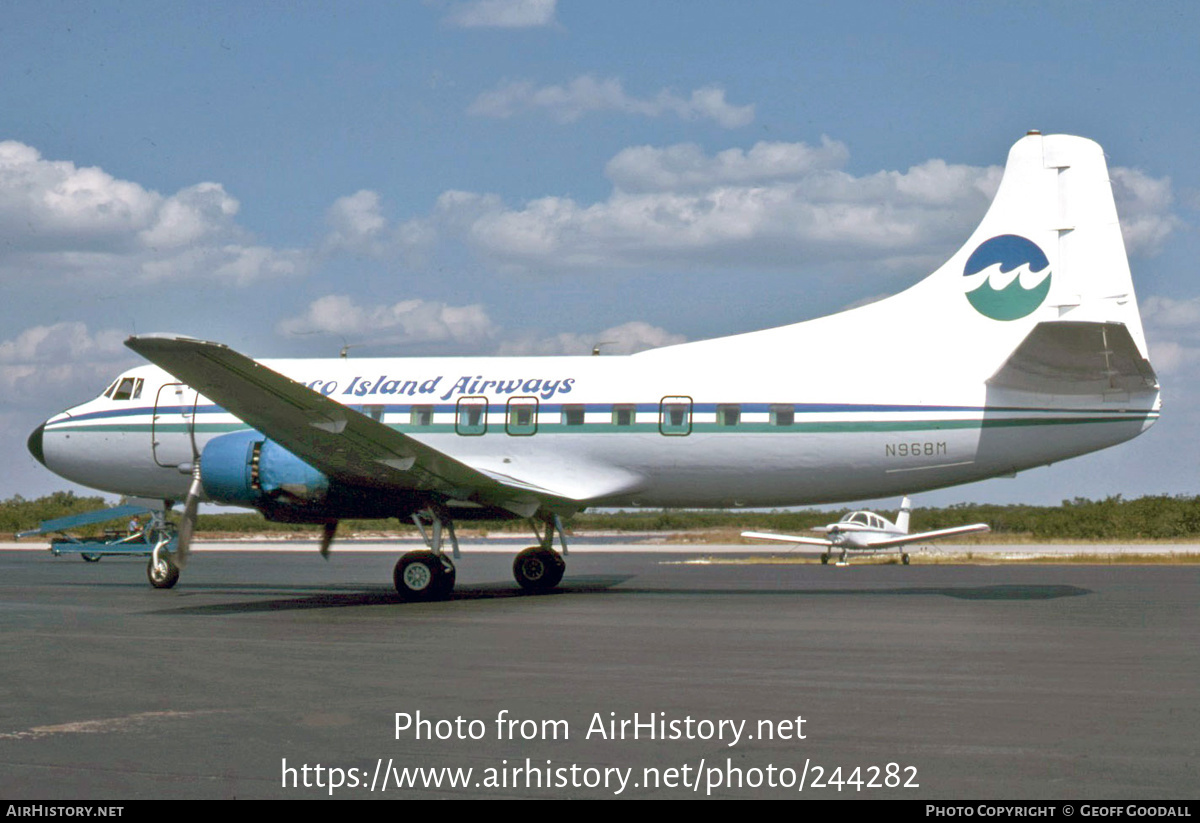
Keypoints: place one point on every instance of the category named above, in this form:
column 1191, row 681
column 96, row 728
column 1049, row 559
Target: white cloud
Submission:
column 1173, row 332
column 60, row 221
column 685, row 167
column 1144, row 206
column 586, row 94
column 357, row 226
column 1168, row 313
column 409, row 321
column 627, row 338
column 505, row 14
column 63, row 362
column 774, row 205
column 786, row 220
column 420, row 321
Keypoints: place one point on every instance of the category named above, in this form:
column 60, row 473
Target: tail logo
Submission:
column 1019, row 296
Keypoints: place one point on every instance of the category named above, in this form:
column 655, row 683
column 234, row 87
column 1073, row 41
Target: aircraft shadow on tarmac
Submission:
column 591, row 586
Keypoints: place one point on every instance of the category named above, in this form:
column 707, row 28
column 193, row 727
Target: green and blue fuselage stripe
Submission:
column 124, row 420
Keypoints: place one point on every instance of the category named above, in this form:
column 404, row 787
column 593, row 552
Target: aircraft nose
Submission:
column 35, row 444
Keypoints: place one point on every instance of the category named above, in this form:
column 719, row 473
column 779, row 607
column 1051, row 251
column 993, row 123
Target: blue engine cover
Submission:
column 245, row 468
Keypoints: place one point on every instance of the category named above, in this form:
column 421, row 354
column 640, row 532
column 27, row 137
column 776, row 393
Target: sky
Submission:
column 533, row 176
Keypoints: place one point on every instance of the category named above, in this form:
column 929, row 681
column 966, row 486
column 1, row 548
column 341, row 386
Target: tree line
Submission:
column 1162, row 517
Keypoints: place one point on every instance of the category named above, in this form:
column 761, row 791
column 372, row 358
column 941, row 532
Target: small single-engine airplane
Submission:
column 865, row 532
column 1024, row 349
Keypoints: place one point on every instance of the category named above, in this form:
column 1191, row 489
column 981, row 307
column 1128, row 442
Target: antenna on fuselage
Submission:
column 596, row 348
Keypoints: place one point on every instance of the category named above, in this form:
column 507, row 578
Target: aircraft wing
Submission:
column 340, row 442
column 933, row 535
column 789, row 538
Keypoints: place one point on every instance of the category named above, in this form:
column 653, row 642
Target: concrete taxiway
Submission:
column 1010, row 681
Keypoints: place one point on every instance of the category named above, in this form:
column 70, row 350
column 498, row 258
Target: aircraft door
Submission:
column 173, row 427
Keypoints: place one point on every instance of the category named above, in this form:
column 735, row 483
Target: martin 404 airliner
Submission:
column 1024, row 349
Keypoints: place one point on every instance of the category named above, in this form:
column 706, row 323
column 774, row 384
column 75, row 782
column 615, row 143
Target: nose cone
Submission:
column 35, row 444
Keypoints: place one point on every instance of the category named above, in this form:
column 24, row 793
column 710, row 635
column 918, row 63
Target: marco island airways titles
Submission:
column 362, row 386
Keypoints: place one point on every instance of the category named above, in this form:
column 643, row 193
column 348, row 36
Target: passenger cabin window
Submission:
column 572, row 415
column 675, row 416
column 522, row 416
column 373, row 412
column 129, row 389
column 729, row 414
column 783, row 415
column 471, row 419
column 623, row 415
column 421, row 416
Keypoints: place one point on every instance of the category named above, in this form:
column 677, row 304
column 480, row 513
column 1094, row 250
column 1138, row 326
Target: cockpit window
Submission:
column 108, row 392
column 859, row 517
column 129, row 388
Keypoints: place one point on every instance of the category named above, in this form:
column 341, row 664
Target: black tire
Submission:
column 422, row 575
column 904, row 559
column 90, row 557
column 538, row 570
column 164, row 575
column 825, row 559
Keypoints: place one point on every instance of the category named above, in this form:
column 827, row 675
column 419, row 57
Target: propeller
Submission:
column 187, row 526
column 327, row 537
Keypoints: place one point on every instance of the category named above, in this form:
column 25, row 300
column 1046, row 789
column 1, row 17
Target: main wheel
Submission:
column 90, row 557
column 825, row 559
column 904, row 559
column 164, row 574
column 422, row 575
column 538, row 570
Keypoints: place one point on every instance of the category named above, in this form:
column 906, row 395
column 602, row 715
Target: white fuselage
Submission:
column 650, row 429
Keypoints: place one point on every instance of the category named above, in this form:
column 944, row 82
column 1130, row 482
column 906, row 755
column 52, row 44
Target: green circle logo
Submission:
column 1013, row 301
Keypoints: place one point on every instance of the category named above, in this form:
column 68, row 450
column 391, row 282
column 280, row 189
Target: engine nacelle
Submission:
column 247, row 469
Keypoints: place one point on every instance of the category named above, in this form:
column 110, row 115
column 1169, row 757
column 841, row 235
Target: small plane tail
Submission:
column 902, row 517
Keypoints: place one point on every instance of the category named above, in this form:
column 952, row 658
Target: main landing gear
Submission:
column 540, row 568
column 429, row 574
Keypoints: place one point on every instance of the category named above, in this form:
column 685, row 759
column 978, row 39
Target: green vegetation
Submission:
column 18, row 514
column 1145, row 518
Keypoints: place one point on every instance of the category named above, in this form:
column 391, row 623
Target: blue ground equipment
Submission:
column 153, row 532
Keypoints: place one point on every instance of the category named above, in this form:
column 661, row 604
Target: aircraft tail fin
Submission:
column 902, row 517
column 1048, row 251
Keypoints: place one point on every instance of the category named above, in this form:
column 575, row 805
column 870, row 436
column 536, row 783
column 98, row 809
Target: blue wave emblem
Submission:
column 1014, row 301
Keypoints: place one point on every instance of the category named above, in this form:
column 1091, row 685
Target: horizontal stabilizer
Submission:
column 1076, row 358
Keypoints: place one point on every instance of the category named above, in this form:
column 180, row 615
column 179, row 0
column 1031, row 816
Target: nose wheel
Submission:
column 161, row 571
